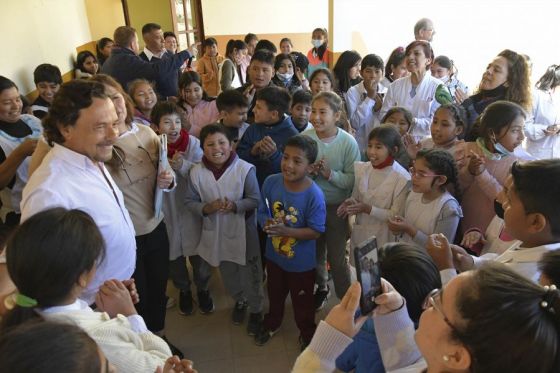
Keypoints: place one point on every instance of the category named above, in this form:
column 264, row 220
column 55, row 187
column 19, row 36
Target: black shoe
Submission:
column 185, row 303
column 321, row 296
column 254, row 324
column 174, row 350
column 302, row 344
column 205, row 302
column 238, row 314
column 264, row 335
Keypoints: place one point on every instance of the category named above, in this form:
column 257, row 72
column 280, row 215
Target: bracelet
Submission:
column 401, row 306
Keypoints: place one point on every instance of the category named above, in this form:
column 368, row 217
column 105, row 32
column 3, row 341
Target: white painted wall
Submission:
column 263, row 17
column 40, row 31
column 470, row 32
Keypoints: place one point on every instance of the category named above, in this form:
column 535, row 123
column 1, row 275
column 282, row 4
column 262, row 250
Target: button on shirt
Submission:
column 73, row 181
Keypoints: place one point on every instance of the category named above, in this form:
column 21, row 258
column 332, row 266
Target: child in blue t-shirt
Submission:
column 292, row 213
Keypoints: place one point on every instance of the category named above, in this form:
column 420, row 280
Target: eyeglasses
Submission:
column 433, row 300
column 420, row 174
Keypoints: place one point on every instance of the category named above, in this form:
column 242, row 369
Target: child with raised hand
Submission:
column 380, row 188
column 292, row 213
column 208, row 66
column 64, row 246
column 447, row 130
column 183, row 151
column 300, row 111
column 530, row 201
column 364, row 100
column 400, row 118
column 490, row 158
column 47, row 80
column 233, row 109
column 285, row 76
column 259, row 76
column 334, row 173
column 429, row 208
column 263, row 143
column 223, row 193
column 319, row 55
column 144, row 97
column 199, row 109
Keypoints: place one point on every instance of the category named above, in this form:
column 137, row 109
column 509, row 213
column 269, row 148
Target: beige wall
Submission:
column 104, row 16
column 40, row 32
column 146, row 11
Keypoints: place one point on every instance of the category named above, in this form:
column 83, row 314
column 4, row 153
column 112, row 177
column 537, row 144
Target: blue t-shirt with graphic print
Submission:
column 297, row 210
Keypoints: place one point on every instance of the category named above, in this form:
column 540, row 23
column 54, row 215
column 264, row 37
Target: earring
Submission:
column 445, row 358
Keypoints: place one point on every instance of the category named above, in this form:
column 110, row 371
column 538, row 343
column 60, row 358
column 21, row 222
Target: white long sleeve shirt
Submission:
column 546, row 112
column 73, row 181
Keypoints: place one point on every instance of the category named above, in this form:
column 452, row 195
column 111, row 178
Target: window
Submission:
column 187, row 22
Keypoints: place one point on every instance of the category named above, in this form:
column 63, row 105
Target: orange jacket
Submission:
column 207, row 67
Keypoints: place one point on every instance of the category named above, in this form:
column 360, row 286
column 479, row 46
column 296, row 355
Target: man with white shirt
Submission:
column 81, row 128
column 154, row 43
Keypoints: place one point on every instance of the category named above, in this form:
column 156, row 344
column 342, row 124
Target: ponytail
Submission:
column 550, row 79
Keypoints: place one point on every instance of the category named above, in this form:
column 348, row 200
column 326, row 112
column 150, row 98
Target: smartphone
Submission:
column 368, row 273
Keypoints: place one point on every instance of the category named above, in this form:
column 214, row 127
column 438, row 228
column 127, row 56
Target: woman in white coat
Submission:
column 543, row 134
column 415, row 92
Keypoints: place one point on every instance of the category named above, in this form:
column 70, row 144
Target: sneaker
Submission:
column 238, row 314
column 264, row 335
column 185, row 303
column 205, row 302
column 321, row 296
column 174, row 349
column 302, row 344
column 254, row 324
column 170, row 302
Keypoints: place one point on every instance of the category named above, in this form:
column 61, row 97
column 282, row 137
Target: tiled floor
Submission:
column 216, row 345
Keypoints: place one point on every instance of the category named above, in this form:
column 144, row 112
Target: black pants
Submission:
column 152, row 270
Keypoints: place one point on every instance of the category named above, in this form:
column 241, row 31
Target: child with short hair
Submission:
column 183, row 151
column 319, row 56
column 259, row 76
column 380, row 188
column 223, row 193
column 200, row 110
column 364, row 100
column 263, row 143
column 65, row 246
column 300, row 112
column 208, row 66
column 233, row 109
column 292, row 213
column 47, row 80
column 529, row 207
column 334, row 173
column 429, row 207
column 144, row 97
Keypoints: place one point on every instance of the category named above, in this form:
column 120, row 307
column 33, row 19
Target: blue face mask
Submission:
column 500, row 149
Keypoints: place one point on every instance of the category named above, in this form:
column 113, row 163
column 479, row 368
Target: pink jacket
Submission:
column 205, row 112
column 479, row 192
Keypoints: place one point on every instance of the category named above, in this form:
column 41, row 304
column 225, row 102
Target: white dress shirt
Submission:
column 73, row 181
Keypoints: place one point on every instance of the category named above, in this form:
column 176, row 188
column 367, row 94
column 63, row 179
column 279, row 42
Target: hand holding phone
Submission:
column 368, row 273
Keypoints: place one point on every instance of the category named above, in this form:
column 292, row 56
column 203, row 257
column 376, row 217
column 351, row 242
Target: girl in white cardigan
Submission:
column 51, row 258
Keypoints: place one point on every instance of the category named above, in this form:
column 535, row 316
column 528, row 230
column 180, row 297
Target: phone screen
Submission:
column 369, row 276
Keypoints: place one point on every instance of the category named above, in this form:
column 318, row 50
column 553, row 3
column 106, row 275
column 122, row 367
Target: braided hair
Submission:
column 459, row 115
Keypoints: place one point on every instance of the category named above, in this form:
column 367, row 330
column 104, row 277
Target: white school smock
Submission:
column 175, row 215
column 546, row 112
column 222, row 236
column 360, row 111
column 11, row 197
column 381, row 196
column 422, row 106
column 423, row 215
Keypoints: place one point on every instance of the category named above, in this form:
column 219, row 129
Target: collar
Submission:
column 151, row 55
column 78, row 305
column 387, row 162
column 73, row 158
column 487, row 153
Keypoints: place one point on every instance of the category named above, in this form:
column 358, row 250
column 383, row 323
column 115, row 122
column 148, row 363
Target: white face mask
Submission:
column 444, row 79
column 316, row 42
column 284, row 77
